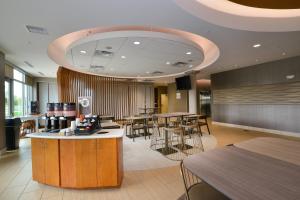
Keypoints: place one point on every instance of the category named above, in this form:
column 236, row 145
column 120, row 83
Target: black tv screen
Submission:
column 183, row 83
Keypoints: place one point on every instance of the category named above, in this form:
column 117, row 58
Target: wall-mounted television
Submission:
column 183, row 83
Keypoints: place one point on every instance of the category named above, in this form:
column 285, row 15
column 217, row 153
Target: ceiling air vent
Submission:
column 96, row 67
column 36, row 29
column 147, row 80
column 179, row 64
column 103, row 53
column 157, row 72
column 41, row 73
column 29, row 64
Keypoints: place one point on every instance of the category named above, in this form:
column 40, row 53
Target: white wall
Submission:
column 47, row 92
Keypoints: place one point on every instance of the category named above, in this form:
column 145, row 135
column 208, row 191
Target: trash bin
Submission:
column 12, row 131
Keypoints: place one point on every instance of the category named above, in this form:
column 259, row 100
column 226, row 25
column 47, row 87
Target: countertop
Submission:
column 112, row 133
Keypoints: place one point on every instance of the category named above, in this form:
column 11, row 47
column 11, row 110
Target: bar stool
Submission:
column 157, row 141
column 203, row 123
column 176, row 142
column 193, row 141
column 159, row 124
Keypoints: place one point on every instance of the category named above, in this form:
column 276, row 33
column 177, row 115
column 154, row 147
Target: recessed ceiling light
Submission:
column 188, row 53
column 190, row 66
column 123, row 57
column 283, row 53
column 291, row 76
column 256, row 60
column 148, row 72
column 83, row 52
column 168, row 63
column 256, row 45
column 136, row 43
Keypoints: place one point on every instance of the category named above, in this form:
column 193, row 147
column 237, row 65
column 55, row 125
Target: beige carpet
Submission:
column 139, row 156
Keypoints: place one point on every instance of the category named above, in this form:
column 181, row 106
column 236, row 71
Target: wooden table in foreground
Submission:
column 260, row 169
column 89, row 161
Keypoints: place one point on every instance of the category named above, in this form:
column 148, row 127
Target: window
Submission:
column 18, row 95
column 18, row 109
column 27, row 99
column 7, row 99
column 19, row 75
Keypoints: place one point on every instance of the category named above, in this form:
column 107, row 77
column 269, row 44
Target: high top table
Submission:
column 167, row 116
column 168, row 149
column 260, row 169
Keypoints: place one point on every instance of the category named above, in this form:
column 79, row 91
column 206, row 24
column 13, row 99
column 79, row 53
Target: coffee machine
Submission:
column 59, row 116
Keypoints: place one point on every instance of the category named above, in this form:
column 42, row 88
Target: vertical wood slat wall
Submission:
column 109, row 95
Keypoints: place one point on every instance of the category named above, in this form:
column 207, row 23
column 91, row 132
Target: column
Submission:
column 2, row 104
column 193, row 95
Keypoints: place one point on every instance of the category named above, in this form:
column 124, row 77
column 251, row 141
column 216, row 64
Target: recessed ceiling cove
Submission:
column 271, row 4
column 251, row 15
column 133, row 52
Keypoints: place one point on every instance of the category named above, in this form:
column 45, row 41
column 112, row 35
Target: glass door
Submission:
column 205, row 101
column 7, row 99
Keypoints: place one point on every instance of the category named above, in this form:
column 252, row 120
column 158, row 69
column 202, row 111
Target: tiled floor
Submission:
column 162, row 183
column 138, row 157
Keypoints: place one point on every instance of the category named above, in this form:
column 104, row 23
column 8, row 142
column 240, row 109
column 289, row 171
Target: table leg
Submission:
column 145, row 128
column 37, row 124
column 166, row 140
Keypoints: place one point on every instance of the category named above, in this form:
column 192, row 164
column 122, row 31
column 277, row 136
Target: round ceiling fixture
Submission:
column 250, row 15
column 160, row 52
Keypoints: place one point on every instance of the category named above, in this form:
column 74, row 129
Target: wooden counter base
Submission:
column 87, row 163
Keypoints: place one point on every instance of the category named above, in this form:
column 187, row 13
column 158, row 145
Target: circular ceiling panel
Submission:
column 251, row 15
column 133, row 52
column 135, row 55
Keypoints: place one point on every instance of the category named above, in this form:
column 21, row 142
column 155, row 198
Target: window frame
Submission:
column 29, row 95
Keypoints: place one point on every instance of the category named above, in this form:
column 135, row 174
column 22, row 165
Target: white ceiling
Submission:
column 151, row 55
column 60, row 17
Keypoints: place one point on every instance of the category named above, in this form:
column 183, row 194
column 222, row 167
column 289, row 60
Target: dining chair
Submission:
column 126, row 123
column 107, row 121
column 149, row 125
column 195, row 189
column 174, row 122
column 136, row 125
column 202, row 121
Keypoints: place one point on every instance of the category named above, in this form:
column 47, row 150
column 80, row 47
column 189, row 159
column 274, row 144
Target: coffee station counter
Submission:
column 103, row 133
column 84, row 161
